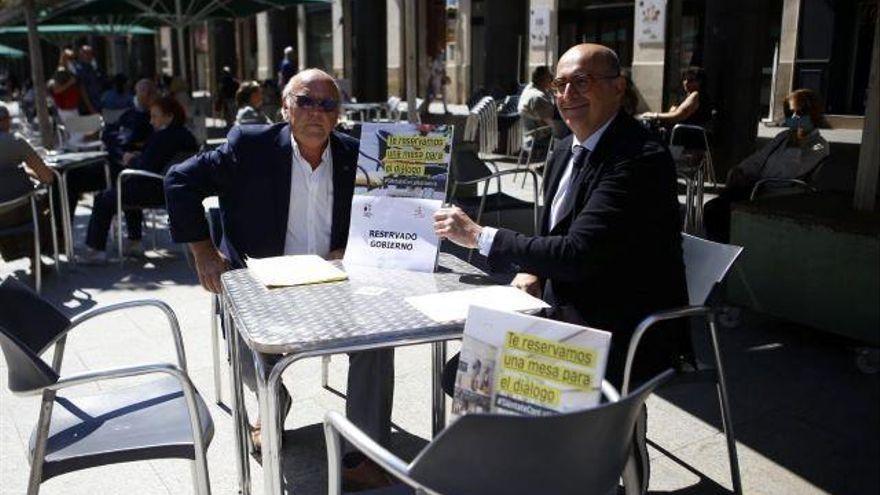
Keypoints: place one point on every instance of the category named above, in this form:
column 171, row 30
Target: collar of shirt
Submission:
column 298, row 158
column 593, row 139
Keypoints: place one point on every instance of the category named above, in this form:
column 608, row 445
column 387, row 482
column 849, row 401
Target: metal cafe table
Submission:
column 61, row 164
column 365, row 312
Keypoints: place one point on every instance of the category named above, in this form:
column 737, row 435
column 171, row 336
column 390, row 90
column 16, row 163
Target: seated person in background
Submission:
column 169, row 140
column 695, row 109
column 15, row 182
column 536, row 106
column 249, row 100
column 117, row 96
column 792, row 154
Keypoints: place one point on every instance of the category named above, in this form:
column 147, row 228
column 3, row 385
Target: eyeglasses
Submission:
column 325, row 105
column 579, row 83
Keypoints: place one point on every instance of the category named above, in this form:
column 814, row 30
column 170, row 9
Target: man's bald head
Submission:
column 302, row 79
column 145, row 92
column 600, row 57
column 588, row 86
column 310, row 102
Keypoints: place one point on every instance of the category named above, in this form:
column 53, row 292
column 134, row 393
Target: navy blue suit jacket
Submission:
column 251, row 176
column 615, row 256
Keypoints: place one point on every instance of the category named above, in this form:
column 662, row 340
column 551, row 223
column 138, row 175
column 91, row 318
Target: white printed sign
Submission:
column 391, row 232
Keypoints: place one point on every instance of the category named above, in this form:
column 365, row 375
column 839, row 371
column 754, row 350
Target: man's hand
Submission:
column 527, row 283
column 127, row 157
column 453, row 224
column 336, row 254
column 210, row 264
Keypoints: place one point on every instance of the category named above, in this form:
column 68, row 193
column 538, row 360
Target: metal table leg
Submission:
column 270, row 433
column 238, row 416
column 438, row 399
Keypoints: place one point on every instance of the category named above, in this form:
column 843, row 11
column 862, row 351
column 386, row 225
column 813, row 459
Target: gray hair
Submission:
column 298, row 78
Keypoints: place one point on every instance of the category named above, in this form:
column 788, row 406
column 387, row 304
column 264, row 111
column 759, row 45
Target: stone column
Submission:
column 648, row 68
column 538, row 53
column 341, row 12
column 394, row 47
column 458, row 65
column 301, row 49
column 265, row 65
column 869, row 154
column 788, row 38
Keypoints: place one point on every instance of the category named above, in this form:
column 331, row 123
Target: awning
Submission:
column 164, row 12
column 9, row 52
column 114, row 29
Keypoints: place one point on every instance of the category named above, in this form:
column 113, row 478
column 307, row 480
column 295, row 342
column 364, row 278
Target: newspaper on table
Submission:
column 401, row 180
column 512, row 363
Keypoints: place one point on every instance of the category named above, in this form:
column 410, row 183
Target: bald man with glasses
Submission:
column 609, row 251
column 286, row 189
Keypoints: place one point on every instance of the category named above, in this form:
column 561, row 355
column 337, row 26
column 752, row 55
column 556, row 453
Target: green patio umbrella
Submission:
column 68, row 29
column 9, row 52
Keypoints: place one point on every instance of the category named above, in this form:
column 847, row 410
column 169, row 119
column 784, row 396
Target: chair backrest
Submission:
column 466, row 164
column 691, row 137
column 84, row 124
column 32, row 319
column 28, row 324
column 575, row 453
column 706, row 263
column 111, row 115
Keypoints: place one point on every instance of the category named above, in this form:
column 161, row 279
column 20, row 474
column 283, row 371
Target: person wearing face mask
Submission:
column 794, row 153
column 169, row 139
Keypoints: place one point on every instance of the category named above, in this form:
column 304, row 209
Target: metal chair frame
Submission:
column 31, row 197
column 178, row 372
column 716, row 375
column 337, row 427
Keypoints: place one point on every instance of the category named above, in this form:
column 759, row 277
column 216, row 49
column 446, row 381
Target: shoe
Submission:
column 92, row 257
column 134, row 248
column 365, row 475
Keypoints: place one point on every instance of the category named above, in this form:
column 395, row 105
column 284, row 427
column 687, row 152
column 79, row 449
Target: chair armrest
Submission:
column 648, row 322
column 537, row 130
column 169, row 314
column 140, row 173
column 610, row 392
column 336, row 425
column 792, row 182
column 498, row 174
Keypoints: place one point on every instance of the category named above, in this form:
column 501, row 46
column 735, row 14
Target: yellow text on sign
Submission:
column 549, row 371
column 583, row 356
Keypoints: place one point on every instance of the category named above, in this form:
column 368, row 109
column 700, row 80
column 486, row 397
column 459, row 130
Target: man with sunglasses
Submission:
column 609, row 253
column 286, row 189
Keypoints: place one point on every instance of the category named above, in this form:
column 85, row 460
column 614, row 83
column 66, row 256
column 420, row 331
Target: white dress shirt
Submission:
column 310, row 214
column 487, row 237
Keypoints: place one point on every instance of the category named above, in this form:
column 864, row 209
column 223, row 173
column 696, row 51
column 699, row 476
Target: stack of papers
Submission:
column 453, row 306
column 286, row 271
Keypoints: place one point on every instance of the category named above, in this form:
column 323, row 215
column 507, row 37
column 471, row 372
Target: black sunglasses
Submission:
column 322, row 104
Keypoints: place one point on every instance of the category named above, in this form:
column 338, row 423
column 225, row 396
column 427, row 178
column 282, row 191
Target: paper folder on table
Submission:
column 285, row 271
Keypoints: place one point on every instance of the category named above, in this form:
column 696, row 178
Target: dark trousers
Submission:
column 87, row 179
column 136, row 192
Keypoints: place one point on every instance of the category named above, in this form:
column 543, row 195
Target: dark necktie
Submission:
column 578, row 159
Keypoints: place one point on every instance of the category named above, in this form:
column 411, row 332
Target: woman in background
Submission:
column 249, row 101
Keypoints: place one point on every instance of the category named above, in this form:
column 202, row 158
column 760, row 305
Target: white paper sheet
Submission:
column 283, row 271
column 453, row 306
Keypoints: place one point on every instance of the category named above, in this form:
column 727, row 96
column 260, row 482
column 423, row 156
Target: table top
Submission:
column 65, row 159
column 368, row 308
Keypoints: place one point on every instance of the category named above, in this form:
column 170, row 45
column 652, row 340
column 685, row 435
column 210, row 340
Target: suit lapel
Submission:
column 587, row 173
column 554, row 174
column 283, row 168
column 342, row 188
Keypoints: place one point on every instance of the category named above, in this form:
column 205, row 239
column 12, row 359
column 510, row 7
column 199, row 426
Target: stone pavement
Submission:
column 806, row 419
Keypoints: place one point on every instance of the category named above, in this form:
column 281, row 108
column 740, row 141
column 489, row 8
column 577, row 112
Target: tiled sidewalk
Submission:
column 807, row 420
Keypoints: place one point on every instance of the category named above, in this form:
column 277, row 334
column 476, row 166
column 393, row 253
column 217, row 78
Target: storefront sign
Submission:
column 650, row 25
